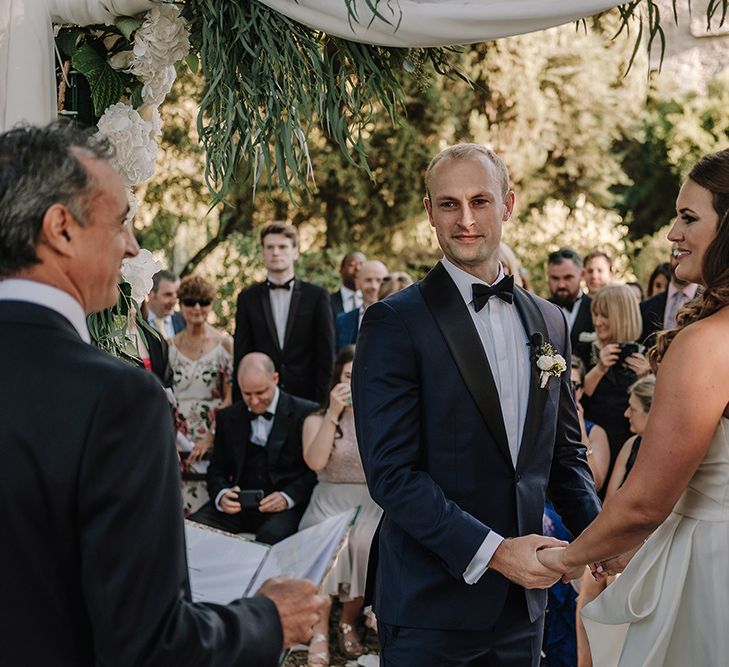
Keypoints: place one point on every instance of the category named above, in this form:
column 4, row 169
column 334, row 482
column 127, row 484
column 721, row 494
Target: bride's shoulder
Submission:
column 704, row 341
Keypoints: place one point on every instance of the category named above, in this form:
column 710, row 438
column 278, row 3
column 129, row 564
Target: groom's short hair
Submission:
column 469, row 151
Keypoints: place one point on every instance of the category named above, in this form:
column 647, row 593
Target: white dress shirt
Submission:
column 280, row 304
column 351, row 299
column 30, row 291
column 260, row 432
column 571, row 315
column 506, row 345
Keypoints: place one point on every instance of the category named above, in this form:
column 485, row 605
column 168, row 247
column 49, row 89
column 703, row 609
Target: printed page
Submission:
column 308, row 554
column 221, row 565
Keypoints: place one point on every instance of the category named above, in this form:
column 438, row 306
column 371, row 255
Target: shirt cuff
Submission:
column 289, row 501
column 480, row 562
column 217, row 499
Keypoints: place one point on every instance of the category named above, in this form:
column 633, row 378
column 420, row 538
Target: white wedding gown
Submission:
column 670, row 607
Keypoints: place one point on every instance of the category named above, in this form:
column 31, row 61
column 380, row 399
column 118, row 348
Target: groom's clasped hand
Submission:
column 533, row 561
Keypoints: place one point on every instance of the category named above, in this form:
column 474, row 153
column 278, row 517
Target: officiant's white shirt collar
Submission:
column 30, row 291
column 465, row 280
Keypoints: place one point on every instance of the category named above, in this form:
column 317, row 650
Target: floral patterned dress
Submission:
column 199, row 386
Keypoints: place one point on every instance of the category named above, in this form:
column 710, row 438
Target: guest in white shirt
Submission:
column 161, row 304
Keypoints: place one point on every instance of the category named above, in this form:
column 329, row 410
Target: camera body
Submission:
column 249, row 498
column 626, row 349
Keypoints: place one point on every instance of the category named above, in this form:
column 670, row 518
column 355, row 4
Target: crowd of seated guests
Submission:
column 275, row 451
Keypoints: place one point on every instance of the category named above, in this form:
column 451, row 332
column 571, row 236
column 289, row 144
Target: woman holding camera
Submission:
column 617, row 362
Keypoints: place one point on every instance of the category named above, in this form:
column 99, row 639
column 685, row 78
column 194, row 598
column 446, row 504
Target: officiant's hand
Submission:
column 553, row 559
column 517, row 560
column 299, row 608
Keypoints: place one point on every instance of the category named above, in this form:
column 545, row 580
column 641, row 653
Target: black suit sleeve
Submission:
column 324, row 342
column 221, row 467
column 132, row 547
column 571, row 487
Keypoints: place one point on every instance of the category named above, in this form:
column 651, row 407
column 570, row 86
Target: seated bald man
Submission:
column 257, row 452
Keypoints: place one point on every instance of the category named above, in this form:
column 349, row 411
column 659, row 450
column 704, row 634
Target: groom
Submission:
column 460, row 442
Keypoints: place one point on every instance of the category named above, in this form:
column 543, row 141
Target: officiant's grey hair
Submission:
column 469, row 152
column 39, row 167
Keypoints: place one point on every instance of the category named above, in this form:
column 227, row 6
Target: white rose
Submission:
column 544, row 362
column 138, row 272
column 135, row 150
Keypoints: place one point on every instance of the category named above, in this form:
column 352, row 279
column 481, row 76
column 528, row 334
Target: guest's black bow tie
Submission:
column 504, row 289
column 268, row 416
column 569, row 307
column 286, row 285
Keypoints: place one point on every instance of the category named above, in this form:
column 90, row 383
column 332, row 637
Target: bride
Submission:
column 670, row 607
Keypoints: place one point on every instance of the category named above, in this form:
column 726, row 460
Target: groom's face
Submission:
column 467, row 207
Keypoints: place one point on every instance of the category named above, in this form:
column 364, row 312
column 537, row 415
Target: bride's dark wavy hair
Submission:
column 710, row 172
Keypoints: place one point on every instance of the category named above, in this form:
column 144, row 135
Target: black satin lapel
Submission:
column 268, row 316
column 536, row 329
column 293, row 307
column 450, row 313
column 279, row 429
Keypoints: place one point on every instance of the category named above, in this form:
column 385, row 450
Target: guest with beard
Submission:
column 564, row 275
column 348, row 297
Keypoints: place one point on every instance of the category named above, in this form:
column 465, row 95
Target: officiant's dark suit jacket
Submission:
column 93, row 556
column 284, row 456
column 436, row 456
column 305, row 363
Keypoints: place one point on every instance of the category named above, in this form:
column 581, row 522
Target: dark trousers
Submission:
column 269, row 527
column 513, row 642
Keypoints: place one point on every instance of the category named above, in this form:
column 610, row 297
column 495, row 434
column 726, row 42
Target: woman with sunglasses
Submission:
column 201, row 358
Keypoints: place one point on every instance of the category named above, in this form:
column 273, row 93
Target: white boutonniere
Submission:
column 549, row 363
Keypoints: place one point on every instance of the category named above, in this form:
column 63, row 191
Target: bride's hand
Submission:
column 553, row 558
column 615, row 565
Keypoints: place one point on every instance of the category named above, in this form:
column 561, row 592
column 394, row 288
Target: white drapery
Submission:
column 424, row 23
column 27, row 80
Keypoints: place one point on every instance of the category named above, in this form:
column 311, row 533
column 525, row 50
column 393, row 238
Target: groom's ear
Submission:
column 508, row 205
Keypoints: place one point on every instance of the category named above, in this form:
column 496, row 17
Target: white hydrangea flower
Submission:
column 133, row 207
column 133, row 139
column 156, row 86
column 138, row 272
column 160, row 41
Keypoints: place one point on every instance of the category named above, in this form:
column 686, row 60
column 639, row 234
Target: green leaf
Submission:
column 127, row 25
column 192, row 62
column 67, row 40
column 107, row 85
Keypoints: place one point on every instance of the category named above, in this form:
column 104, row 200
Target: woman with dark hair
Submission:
column 330, row 449
column 670, row 606
column 659, row 280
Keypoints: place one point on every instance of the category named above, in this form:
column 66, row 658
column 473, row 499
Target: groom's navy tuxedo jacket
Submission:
column 436, row 456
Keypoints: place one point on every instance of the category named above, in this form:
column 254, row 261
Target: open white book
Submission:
column 224, row 567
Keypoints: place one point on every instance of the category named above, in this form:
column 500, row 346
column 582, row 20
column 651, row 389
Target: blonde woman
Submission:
column 617, row 362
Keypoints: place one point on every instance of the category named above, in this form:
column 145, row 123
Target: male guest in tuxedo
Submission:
column 564, row 276
column 94, row 564
column 287, row 319
column 258, row 446
column 460, row 441
column 348, row 297
column 369, row 280
column 659, row 312
column 161, row 302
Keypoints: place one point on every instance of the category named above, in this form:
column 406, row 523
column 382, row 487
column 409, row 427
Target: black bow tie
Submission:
column 286, row 285
column 268, row 416
column 569, row 306
column 504, row 289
